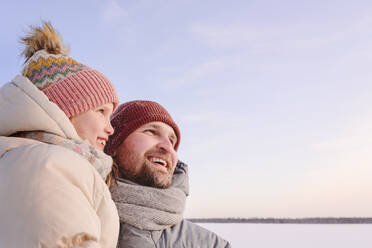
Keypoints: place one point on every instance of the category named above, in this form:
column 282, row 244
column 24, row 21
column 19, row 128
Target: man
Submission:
column 152, row 184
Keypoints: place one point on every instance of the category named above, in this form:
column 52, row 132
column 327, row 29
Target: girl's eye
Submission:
column 101, row 111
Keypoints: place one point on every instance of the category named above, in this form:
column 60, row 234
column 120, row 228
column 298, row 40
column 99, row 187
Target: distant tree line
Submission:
column 315, row 220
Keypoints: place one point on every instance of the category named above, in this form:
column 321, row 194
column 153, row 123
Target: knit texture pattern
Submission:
column 131, row 115
column 149, row 208
column 74, row 87
column 44, row 69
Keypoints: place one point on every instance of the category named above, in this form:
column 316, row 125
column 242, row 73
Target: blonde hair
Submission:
column 113, row 176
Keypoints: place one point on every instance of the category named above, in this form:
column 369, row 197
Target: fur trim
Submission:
column 44, row 37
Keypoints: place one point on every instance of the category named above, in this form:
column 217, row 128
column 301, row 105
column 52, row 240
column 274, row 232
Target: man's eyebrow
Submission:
column 153, row 125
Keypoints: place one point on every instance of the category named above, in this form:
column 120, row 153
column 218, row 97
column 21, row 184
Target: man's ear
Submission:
column 114, row 154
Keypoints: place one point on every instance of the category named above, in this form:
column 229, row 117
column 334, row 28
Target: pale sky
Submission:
column 273, row 98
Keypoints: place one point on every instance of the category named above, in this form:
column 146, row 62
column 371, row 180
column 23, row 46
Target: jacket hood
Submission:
column 181, row 177
column 23, row 107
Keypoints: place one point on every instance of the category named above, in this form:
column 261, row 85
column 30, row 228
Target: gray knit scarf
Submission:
column 151, row 208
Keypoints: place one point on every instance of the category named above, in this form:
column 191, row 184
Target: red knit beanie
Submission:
column 131, row 115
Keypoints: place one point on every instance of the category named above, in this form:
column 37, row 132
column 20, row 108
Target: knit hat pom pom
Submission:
column 44, row 37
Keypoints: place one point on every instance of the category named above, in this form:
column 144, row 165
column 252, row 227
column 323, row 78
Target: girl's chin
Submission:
column 99, row 146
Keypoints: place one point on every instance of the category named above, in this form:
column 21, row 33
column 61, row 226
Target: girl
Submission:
column 54, row 124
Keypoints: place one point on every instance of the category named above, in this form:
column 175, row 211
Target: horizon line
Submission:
column 271, row 220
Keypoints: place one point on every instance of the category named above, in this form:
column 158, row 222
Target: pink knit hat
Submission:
column 72, row 86
column 131, row 115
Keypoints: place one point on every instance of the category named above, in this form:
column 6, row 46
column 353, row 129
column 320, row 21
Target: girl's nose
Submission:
column 109, row 129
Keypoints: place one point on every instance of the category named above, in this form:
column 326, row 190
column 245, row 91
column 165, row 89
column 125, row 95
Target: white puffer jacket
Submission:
column 49, row 196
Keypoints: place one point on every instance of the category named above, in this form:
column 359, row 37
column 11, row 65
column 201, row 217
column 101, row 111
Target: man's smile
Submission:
column 158, row 161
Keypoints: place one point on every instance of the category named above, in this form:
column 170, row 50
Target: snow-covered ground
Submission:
column 294, row 235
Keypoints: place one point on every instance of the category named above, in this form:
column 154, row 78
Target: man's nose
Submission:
column 166, row 144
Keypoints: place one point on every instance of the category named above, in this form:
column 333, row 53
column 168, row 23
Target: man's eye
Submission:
column 150, row 131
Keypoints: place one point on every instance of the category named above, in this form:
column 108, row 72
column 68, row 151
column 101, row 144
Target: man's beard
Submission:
column 149, row 175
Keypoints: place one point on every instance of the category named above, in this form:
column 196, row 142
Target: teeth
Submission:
column 103, row 142
column 158, row 160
